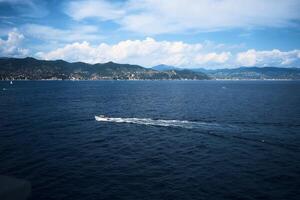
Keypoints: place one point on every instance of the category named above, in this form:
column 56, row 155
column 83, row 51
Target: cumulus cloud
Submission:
column 164, row 16
column 274, row 57
column 12, row 45
column 150, row 52
column 213, row 57
column 147, row 52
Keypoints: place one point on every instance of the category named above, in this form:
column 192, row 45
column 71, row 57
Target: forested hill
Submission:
column 33, row 69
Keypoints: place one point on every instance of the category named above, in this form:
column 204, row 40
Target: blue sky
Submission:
column 183, row 33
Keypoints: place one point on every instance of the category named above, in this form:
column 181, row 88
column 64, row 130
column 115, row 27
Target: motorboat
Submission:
column 102, row 118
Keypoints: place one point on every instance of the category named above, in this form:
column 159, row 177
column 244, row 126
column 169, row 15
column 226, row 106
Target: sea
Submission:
column 163, row 140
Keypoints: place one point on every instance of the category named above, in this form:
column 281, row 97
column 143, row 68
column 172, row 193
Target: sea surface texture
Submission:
column 164, row 139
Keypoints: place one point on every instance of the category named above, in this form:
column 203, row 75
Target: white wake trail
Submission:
column 162, row 122
column 213, row 129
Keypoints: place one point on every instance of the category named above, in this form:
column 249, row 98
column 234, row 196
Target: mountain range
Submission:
column 33, row 69
column 242, row 73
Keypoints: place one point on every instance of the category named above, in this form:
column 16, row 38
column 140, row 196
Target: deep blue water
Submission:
column 234, row 139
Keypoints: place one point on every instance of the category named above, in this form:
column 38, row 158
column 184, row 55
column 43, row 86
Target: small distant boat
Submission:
column 11, row 82
column 102, row 118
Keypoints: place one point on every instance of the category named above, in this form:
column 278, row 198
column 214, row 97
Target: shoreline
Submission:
column 153, row 80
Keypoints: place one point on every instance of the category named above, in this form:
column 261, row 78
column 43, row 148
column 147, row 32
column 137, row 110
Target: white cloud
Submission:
column 247, row 58
column 12, row 46
column 213, row 57
column 274, row 57
column 76, row 33
column 149, row 52
column 72, row 52
column 164, row 16
column 101, row 9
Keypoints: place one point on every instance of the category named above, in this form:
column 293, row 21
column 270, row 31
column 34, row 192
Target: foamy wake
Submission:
column 211, row 128
column 162, row 122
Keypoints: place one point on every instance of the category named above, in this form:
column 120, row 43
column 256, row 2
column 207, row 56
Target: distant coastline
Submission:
column 19, row 80
column 33, row 69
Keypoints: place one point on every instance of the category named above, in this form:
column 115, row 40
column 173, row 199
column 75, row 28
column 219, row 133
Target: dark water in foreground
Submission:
column 230, row 140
